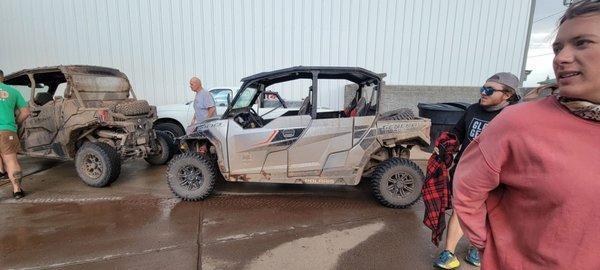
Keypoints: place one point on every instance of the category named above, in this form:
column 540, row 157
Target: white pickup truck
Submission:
column 174, row 118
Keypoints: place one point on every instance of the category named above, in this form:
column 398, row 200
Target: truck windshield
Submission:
column 245, row 98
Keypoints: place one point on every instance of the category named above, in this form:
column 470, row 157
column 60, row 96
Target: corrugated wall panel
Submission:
column 161, row 44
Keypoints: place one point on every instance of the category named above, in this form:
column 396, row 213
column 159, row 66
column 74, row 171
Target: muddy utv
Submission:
column 88, row 114
column 308, row 145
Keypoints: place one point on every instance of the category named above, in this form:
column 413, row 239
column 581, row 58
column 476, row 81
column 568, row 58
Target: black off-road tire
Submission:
column 191, row 177
column 163, row 141
column 214, row 160
column 406, row 174
column 137, row 107
column 116, row 162
column 97, row 164
column 399, row 114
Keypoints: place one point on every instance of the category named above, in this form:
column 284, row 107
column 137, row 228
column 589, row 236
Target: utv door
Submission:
column 326, row 141
column 323, row 150
column 40, row 128
column 260, row 154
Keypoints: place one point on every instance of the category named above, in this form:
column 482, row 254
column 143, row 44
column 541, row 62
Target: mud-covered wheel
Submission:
column 397, row 183
column 165, row 149
column 116, row 162
column 97, row 164
column 191, row 176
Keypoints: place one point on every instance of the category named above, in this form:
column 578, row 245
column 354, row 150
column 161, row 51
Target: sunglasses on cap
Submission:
column 488, row 91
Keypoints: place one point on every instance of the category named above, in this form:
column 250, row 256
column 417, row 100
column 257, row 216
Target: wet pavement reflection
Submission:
column 136, row 223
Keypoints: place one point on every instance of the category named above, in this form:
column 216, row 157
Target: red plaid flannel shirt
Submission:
column 436, row 190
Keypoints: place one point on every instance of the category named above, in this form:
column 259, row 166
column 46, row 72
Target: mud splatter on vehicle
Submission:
column 306, row 146
column 91, row 115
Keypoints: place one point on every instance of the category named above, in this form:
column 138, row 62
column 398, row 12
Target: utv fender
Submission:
column 384, row 149
column 187, row 141
column 414, row 140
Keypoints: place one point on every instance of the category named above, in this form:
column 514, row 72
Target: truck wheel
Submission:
column 165, row 151
column 191, row 176
column 172, row 129
column 397, row 183
column 98, row 164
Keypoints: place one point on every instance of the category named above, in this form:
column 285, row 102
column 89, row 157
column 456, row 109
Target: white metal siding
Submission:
column 161, row 44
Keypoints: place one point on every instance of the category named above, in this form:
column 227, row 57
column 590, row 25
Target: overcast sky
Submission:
column 540, row 56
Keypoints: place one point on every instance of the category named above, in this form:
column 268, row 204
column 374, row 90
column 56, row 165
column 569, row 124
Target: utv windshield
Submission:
column 245, row 98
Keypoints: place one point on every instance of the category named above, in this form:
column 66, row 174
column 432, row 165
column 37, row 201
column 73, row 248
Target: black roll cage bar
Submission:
column 261, row 81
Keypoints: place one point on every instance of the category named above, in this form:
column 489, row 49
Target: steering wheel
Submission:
column 248, row 118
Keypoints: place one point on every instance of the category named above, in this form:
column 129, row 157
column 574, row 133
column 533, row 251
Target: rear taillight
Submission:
column 102, row 115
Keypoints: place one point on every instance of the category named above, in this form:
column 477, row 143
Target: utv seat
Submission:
column 358, row 109
column 42, row 98
column 305, row 108
column 361, row 107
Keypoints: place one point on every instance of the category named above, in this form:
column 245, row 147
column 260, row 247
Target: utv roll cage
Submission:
column 359, row 76
column 53, row 76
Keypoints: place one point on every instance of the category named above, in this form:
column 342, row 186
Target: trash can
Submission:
column 443, row 117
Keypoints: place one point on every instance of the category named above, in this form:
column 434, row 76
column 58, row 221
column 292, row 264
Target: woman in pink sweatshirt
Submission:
column 526, row 189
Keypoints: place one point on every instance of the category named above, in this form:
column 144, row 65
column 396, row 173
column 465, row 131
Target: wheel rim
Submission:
column 401, row 184
column 171, row 134
column 191, row 177
column 92, row 166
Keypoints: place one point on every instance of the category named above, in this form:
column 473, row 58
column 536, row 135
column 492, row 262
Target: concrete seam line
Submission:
column 80, row 200
column 60, row 200
column 105, row 257
column 289, row 229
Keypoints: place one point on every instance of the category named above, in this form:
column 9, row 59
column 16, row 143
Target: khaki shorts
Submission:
column 9, row 143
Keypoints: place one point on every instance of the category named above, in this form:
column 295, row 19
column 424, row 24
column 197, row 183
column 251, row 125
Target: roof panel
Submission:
column 353, row 74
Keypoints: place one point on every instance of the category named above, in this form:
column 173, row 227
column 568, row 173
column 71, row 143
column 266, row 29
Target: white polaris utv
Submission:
column 306, row 146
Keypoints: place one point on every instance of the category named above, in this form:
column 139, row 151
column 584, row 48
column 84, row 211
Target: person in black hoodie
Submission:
column 498, row 92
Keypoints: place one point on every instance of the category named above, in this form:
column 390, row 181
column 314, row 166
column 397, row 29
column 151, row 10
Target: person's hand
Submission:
column 446, row 142
column 20, row 131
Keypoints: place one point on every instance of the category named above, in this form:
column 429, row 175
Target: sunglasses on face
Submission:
column 488, row 91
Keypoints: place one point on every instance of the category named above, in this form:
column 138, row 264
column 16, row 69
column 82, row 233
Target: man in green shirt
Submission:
column 10, row 101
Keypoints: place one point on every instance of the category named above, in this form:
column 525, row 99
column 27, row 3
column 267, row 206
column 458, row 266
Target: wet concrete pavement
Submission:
column 137, row 224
